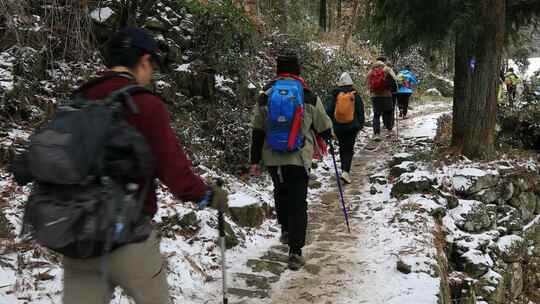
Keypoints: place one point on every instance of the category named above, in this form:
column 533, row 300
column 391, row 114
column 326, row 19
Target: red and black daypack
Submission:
column 377, row 80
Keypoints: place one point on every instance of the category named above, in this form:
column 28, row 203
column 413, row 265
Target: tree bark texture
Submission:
column 475, row 97
column 283, row 10
column 322, row 15
column 352, row 25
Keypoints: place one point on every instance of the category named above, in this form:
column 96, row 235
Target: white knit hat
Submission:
column 345, row 80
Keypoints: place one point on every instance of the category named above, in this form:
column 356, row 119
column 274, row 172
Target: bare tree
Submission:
column 283, row 10
column 322, row 15
column 352, row 25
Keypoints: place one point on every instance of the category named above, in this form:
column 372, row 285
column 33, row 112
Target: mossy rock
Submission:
column 526, row 203
column 512, row 248
column 404, row 167
column 231, row 239
column 248, row 216
column 189, row 220
column 417, row 182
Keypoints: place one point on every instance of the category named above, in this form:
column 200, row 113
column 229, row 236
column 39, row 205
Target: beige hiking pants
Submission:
column 139, row 269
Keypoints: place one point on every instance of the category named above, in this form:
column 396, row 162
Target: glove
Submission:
column 216, row 198
column 206, row 200
column 327, row 135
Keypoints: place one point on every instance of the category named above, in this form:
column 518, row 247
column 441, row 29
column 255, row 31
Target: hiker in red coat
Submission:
column 138, row 268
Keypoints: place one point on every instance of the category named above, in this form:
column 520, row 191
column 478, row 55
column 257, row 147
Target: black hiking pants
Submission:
column 383, row 106
column 290, row 196
column 403, row 103
column 346, row 148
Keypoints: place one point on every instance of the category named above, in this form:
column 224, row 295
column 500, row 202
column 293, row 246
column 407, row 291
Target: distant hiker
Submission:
column 284, row 120
column 346, row 109
column 105, row 232
column 381, row 83
column 511, row 81
column 406, row 82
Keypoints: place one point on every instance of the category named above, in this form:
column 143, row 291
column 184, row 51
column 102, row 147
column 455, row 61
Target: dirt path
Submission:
column 342, row 268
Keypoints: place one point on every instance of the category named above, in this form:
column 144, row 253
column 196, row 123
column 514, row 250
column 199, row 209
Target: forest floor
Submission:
column 359, row 267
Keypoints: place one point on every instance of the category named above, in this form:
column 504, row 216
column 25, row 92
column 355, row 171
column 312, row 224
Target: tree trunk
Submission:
column 283, row 11
column 475, row 95
column 322, row 15
column 352, row 25
column 339, row 7
column 145, row 10
column 330, row 14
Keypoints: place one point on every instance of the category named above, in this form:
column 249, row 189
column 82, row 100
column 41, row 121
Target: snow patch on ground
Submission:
column 425, row 126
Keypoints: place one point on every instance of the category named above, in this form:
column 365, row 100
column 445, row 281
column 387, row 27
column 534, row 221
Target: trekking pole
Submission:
column 396, row 111
column 340, row 188
column 222, row 245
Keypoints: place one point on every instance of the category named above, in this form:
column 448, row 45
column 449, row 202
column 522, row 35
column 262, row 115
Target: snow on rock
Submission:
column 476, row 263
column 101, row 14
column 186, row 67
column 512, row 248
column 472, row 180
column 222, row 84
column 421, row 202
column 471, row 216
column 433, row 92
column 404, row 167
column 6, row 72
column 418, row 181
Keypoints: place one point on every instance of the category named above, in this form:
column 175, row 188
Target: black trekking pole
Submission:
column 222, row 245
column 396, row 114
column 341, row 197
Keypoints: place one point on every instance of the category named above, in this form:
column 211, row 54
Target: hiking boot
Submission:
column 376, row 138
column 284, row 238
column 296, row 262
column 346, row 177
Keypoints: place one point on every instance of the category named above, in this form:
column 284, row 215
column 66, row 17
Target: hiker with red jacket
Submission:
column 138, row 267
column 346, row 109
column 382, row 82
column 284, row 121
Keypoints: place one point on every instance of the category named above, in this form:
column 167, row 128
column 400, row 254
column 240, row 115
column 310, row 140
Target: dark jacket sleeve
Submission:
column 331, row 106
column 257, row 145
column 174, row 169
column 360, row 113
column 257, row 134
column 392, row 83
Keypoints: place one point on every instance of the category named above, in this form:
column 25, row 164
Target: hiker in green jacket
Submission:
column 288, row 167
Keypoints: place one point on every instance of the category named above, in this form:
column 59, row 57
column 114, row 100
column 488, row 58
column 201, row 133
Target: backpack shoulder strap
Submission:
column 125, row 95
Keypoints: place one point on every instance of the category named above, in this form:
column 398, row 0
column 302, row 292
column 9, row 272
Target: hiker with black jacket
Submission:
column 285, row 144
column 346, row 109
column 123, row 250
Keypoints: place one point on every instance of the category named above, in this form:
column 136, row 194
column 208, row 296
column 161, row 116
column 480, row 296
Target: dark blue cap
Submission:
column 136, row 37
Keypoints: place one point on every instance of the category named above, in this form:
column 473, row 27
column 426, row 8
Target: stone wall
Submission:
column 490, row 215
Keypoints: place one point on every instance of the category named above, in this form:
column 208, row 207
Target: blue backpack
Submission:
column 285, row 114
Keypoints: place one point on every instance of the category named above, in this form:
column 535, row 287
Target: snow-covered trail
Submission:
column 359, row 267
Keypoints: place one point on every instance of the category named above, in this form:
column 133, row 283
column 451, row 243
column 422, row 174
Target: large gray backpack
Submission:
column 87, row 164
